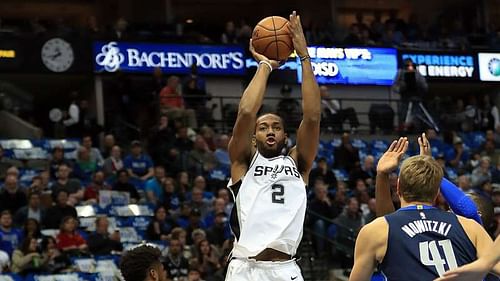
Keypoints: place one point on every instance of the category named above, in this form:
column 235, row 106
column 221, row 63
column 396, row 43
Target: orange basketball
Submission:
column 271, row 38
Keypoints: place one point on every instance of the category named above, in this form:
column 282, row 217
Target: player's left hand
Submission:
column 298, row 38
column 425, row 146
column 470, row 272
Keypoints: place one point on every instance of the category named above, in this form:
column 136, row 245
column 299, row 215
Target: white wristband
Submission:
column 268, row 64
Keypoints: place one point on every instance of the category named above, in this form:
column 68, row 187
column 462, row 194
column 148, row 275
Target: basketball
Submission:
column 271, row 38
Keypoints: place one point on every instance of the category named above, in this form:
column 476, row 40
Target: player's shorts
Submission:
column 252, row 270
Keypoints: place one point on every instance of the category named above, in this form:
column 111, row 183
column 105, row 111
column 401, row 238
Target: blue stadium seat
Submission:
column 341, row 174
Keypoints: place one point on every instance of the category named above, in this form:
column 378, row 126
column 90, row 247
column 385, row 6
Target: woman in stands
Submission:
column 68, row 239
column 31, row 228
column 27, row 259
column 160, row 226
column 55, row 260
column 208, row 259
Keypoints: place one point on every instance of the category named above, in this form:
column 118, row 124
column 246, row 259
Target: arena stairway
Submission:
column 313, row 268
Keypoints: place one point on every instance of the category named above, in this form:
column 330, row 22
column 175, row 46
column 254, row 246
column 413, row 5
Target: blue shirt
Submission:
column 154, row 186
column 139, row 165
column 427, row 242
column 10, row 240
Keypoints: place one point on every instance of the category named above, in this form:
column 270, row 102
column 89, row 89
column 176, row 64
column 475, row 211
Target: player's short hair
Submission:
column 135, row 263
column 420, row 178
column 271, row 113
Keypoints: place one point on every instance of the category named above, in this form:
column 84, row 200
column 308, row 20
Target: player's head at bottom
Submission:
column 142, row 263
column 419, row 179
column 270, row 137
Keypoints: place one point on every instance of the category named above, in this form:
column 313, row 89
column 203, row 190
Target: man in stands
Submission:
column 176, row 265
column 10, row 237
column 33, row 210
column 56, row 213
column 12, row 198
column 154, row 188
column 138, row 164
column 71, row 185
column 101, row 242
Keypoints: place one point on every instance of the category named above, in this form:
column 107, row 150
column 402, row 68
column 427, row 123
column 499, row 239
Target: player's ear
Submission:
column 254, row 141
column 153, row 274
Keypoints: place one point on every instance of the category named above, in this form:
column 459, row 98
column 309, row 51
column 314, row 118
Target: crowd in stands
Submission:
column 451, row 29
column 180, row 173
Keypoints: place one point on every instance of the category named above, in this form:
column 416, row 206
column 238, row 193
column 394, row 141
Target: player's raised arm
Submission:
column 308, row 132
column 240, row 148
column 387, row 164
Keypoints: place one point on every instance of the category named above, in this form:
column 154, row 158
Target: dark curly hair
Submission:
column 136, row 262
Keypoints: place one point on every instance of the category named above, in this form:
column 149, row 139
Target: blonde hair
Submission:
column 420, row 178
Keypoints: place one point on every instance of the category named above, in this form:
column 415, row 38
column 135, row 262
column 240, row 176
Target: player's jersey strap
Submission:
column 234, row 221
column 423, row 244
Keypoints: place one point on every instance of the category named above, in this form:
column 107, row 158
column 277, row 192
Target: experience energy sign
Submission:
column 352, row 66
column 171, row 58
column 450, row 66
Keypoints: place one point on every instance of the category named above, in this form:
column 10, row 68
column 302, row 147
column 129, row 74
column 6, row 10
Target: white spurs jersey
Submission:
column 270, row 206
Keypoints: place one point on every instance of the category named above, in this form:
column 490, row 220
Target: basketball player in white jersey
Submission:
column 268, row 187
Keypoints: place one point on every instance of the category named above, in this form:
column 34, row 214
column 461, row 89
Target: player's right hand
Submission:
column 259, row 57
column 390, row 160
column 475, row 271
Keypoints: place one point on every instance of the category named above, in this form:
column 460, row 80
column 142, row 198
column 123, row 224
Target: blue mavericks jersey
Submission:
column 424, row 243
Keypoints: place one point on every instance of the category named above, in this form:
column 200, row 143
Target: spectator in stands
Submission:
column 201, row 183
column 230, row 34
column 195, row 222
column 95, row 154
column 138, row 164
column 101, row 242
column 218, row 206
column 196, row 99
column 161, row 140
column 45, row 181
column 119, row 31
column 184, row 213
column 56, row 160
column 172, row 200
column 122, row 184
column 350, row 219
column 154, row 188
column 494, row 137
column 223, row 193
column 55, row 260
column 219, row 231
column 68, row 239
column 172, row 103
column 33, row 210
column 207, row 259
column 490, row 116
column 481, row 174
column 6, row 163
column 322, row 170
column 10, row 237
column 204, row 205
column 367, row 172
column 91, row 194
column 221, row 153
column 84, row 167
column 56, row 213
column 183, row 182
column 113, row 163
column 489, row 151
column 346, row 156
column 27, row 259
column 160, row 226
column 72, row 122
column 71, row 185
column 12, row 198
column 182, row 141
column 176, row 265
column 353, row 37
column 288, row 107
column 201, row 160
column 456, row 157
column 108, row 144
column 322, row 210
column 180, row 234
column 463, row 182
column 32, row 228
column 372, row 214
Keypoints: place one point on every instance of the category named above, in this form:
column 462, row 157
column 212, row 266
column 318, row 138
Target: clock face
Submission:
column 57, row 55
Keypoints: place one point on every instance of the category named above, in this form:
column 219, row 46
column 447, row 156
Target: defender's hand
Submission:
column 390, row 160
column 425, row 146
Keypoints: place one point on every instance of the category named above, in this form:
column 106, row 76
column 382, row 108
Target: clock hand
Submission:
column 56, row 55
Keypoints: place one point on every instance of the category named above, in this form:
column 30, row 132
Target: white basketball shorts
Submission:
column 252, row 270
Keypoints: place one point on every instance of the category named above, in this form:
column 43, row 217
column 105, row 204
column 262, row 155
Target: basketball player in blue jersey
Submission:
column 269, row 187
column 419, row 241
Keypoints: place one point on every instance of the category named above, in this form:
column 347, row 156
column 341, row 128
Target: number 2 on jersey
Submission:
column 435, row 258
column 278, row 195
